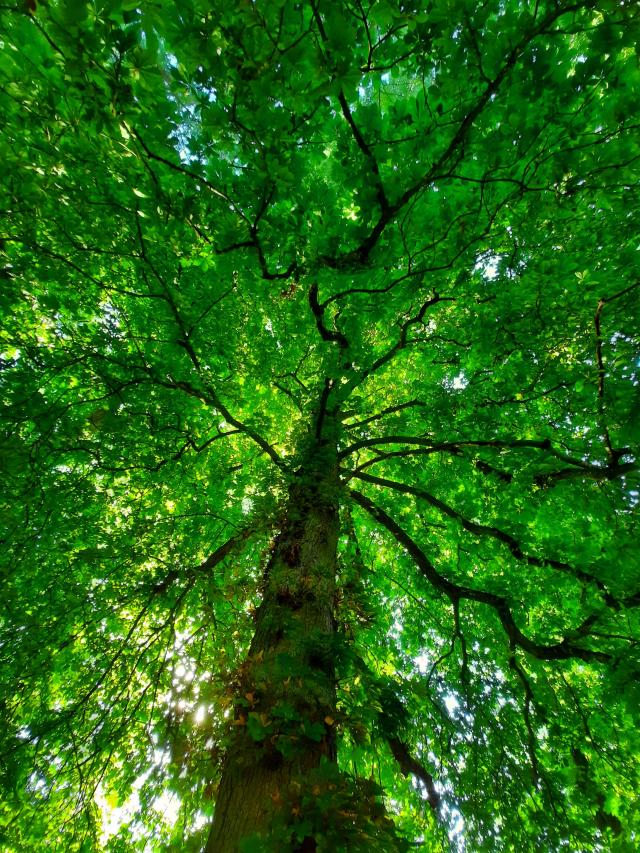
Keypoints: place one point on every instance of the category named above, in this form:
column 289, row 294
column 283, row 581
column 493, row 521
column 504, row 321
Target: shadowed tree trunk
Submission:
column 286, row 686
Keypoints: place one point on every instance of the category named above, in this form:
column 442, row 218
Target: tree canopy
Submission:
column 373, row 258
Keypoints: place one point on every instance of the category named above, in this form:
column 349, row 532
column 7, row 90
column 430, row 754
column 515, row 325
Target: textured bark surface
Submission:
column 295, row 620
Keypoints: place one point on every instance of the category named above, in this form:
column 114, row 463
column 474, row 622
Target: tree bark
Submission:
column 286, row 686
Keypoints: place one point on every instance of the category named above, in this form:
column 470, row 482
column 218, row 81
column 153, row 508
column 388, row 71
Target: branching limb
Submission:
column 252, row 243
column 563, row 650
column 287, row 391
column 493, row 532
column 211, row 398
column 318, row 312
column 100, row 283
column 207, row 396
column 262, row 261
column 452, row 152
column 388, row 411
column 94, row 451
column 409, row 765
column 176, row 167
column 207, row 565
column 402, row 342
column 183, row 340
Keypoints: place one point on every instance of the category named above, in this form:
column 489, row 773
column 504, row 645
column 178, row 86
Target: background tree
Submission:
column 320, row 411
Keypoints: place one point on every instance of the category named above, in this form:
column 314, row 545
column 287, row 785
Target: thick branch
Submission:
column 318, row 313
column 453, row 446
column 487, row 530
column 563, row 650
column 207, row 565
column 410, row 765
column 581, row 469
column 322, row 408
column 607, row 472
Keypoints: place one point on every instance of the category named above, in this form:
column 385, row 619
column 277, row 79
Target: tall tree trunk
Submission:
column 286, row 688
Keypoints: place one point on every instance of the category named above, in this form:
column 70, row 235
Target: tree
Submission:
column 319, row 369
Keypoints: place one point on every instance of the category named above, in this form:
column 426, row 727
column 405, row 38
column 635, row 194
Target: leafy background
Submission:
column 213, row 214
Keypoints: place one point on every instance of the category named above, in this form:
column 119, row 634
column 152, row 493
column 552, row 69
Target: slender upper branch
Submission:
column 211, row 398
column 361, row 142
column 480, row 464
column 176, row 167
column 388, row 411
column 402, row 342
column 452, row 150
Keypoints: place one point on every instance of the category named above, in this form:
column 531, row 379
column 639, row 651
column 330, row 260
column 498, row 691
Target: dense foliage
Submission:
column 226, row 226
